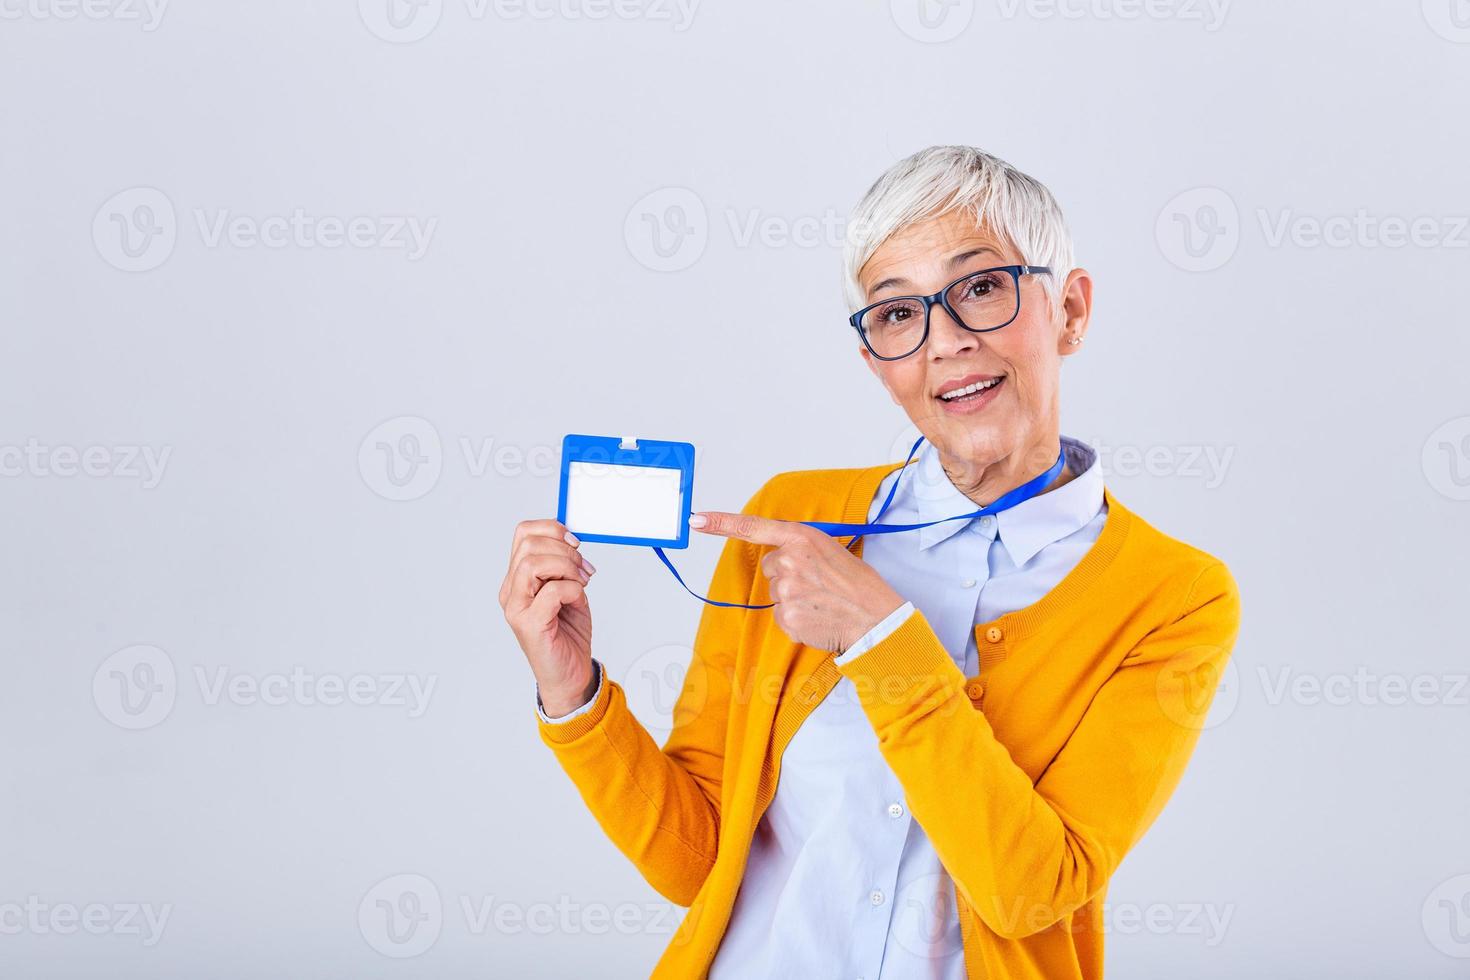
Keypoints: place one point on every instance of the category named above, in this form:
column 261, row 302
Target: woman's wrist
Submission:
column 564, row 698
column 884, row 604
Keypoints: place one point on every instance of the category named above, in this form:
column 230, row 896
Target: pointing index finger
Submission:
column 746, row 527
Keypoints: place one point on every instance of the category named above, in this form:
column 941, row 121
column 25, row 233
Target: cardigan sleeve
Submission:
column 661, row 807
column 1024, row 855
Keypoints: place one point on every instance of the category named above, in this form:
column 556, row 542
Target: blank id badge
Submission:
column 621, row 490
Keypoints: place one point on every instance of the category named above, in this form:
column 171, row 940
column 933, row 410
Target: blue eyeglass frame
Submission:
column 1016, row 272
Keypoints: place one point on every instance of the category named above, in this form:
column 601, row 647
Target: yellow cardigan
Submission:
column 1032, row 779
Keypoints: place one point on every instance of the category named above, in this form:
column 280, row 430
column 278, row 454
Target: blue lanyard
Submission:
column 1006, row 501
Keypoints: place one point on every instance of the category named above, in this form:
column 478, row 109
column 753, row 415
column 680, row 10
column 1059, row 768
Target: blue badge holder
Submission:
column 626, row 451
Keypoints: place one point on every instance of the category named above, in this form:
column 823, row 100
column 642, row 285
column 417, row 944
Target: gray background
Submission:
column 1326, row 380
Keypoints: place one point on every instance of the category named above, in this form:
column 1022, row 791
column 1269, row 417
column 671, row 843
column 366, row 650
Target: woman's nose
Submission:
column 946, row 337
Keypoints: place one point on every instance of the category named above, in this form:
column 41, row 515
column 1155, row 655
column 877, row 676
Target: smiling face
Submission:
column 1008, row 427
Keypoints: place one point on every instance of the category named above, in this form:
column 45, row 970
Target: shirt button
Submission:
column 968, row 583
column 986, row 521
column 994, row 634
column 895, row 810
column 876, row 898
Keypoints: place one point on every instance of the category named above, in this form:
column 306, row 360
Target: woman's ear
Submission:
column 1076, row 311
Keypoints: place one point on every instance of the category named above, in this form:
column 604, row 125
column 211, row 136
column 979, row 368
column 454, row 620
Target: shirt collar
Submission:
column 1025, row 528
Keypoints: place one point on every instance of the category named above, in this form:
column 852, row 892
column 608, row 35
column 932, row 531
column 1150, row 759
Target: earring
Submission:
column 1074, row 341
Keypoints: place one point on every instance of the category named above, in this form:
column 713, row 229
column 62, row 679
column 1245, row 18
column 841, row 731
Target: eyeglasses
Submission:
column 979, row 301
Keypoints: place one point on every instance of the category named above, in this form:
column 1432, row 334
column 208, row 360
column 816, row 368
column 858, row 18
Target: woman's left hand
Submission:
column 826, row 597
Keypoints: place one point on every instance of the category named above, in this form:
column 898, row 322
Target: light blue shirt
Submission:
column 841, row 882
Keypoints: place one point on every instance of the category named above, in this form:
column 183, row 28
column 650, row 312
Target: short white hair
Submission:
column 943, row 179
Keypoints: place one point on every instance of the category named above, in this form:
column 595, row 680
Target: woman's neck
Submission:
column 984, row 483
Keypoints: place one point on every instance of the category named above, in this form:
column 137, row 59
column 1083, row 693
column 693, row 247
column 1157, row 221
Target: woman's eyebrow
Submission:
column 954, row 260
column 888, row 283
column 963, row 257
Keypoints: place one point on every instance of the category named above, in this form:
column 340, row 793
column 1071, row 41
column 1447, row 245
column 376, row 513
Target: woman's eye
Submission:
column 981, row 287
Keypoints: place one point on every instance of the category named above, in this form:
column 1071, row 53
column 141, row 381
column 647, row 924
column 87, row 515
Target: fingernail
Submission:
column 571, row 539
column 588, row 566
column 582, row 574
column 698, row 520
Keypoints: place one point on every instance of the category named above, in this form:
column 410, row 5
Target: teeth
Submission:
column 970, row 389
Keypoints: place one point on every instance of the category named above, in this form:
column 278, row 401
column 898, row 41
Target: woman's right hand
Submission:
column 545, row 602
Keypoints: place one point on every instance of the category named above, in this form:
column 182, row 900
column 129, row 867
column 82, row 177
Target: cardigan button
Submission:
column 994, row 634
column 975, row 689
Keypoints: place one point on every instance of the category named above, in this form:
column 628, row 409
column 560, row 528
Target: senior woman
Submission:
column 927, row 758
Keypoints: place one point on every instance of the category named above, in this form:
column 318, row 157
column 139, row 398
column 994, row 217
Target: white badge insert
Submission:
column 627, row 501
